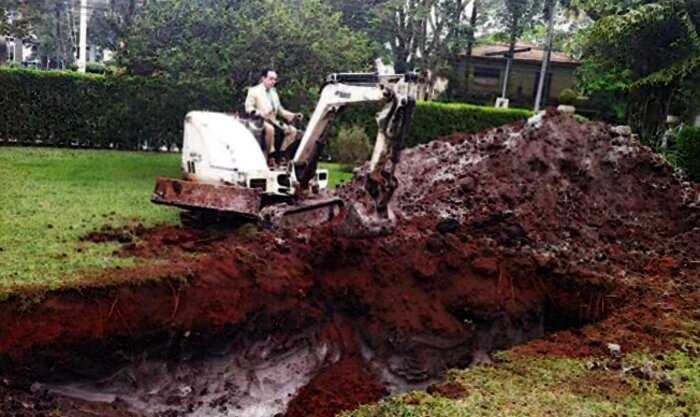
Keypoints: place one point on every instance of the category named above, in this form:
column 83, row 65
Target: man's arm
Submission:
column 287, row 115
column 284, row 113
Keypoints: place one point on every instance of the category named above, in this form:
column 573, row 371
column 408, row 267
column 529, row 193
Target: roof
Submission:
column 536, row 53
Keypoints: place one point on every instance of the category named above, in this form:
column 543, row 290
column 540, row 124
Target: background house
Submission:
column 482, row 75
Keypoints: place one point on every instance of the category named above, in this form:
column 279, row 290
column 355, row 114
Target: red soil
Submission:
column 344, row 385
column 576, row 220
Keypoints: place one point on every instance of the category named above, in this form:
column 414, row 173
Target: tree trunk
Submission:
column 400, row 61
column 3, row 50
column 465, row 75
column 472, row 24
column 60, row 49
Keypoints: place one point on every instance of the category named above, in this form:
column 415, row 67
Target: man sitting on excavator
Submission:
column 262, row 101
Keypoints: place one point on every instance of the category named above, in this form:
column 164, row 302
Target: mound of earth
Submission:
column 567, row 235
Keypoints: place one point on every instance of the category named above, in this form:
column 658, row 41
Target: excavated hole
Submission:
column 251, row 372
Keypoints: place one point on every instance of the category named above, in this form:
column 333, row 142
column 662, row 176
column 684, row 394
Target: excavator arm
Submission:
column 398, row 93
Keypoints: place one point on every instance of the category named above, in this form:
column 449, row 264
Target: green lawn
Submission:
column 53, row 197
column 558, row 387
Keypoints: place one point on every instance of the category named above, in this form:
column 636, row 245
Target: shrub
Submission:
column 351, row 146
column 95, row 68
column 689, row 152
column 568, row 96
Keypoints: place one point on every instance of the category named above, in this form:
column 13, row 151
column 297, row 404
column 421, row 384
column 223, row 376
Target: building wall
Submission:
column 484, row 80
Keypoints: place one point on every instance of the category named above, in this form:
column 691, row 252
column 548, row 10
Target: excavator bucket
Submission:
column 358, row 224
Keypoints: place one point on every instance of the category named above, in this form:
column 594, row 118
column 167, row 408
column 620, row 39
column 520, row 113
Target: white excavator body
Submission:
column 219, row 149
column 225, row 172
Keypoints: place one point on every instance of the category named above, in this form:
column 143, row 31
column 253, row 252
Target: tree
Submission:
column 652, row 53
column 598, row 9
column 109, row 23
column 361, row 16
column 515, row 16
column 549, row 14
column 304, row 42
column 425, row 34
column 51, row 23
column 18, row 18
column 229, row 43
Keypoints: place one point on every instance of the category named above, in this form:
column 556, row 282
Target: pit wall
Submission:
column 436, row 284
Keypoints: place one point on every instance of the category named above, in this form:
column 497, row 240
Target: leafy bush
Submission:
column 568, row 96
column 351, row 146
column 689, row 152
column 95, row 68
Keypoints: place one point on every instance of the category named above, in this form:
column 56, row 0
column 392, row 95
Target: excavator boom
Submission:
column 398, row 93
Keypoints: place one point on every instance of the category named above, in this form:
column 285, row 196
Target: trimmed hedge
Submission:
column 66, row 108
column 689, row 152
column 432, row 120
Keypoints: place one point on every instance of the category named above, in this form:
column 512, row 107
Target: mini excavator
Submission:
column 226, row 173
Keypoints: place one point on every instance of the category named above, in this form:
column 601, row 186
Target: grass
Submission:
column 558, row 387
column 52, row 197
column 337, row 173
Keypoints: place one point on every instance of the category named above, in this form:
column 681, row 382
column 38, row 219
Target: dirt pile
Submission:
column 504, row 236
column 551, row 184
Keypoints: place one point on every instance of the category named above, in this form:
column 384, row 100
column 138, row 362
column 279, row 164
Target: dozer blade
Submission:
column 194, row 195
column 359, row 225
column 209, row 203
column 303, row 214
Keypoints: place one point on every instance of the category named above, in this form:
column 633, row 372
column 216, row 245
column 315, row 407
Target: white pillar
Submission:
column 83, row 36
column 3, row 50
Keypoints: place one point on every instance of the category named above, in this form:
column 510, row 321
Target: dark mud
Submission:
column 572, row 232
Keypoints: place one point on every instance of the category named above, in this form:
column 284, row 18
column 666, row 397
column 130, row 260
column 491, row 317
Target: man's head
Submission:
column 269, row 78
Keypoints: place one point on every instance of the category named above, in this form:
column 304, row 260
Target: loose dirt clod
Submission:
column 503, row 238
